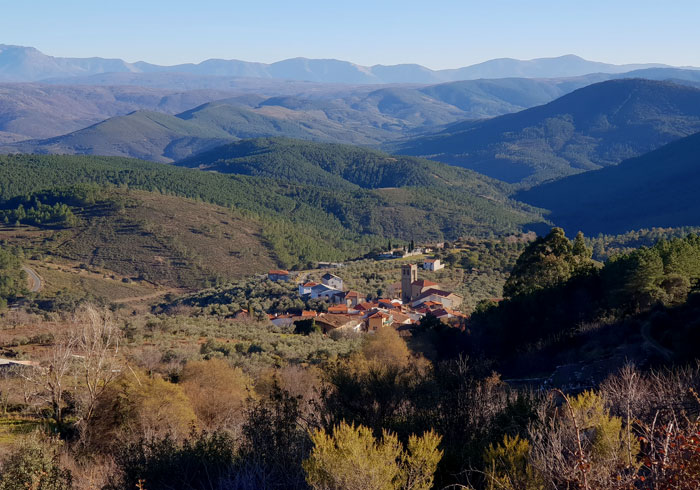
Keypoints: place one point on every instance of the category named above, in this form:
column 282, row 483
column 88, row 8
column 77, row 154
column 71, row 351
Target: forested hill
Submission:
column 596, row 126
column 658, row 189
column 302, row 221
column 341, row 166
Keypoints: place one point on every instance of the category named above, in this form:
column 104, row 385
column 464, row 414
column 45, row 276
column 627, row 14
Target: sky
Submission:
column 437, row 34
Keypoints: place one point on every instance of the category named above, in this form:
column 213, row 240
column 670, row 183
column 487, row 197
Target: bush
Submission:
column 35, row 466
column 352, row 459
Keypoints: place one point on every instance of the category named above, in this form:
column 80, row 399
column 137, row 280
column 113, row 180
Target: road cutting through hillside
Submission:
column 34, row 279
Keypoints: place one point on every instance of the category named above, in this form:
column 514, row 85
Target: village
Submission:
column 403, row 306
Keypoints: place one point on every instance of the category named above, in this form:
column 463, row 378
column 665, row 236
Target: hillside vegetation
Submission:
column 294, row 224
column 596, row 126
column 658, row 189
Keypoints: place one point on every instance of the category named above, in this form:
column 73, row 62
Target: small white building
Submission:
column 332, row 281
column 305, row 288
column 432, row 265
column 323, row 291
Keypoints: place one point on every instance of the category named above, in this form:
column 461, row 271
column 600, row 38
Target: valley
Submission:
column 313, row 274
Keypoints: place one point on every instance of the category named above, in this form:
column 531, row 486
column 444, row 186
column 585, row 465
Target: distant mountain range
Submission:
column 657, row 189
column 592, row 127
column 27, row 64
column 42, row 111
column 48, row 115
column 599, row 125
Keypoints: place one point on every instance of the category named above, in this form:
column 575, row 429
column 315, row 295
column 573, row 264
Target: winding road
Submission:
column 34, row 279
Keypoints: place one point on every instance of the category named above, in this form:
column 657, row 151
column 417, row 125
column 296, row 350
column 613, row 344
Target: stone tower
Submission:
column 409, row 274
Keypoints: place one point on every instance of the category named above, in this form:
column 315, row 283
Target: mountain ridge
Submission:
column 20, row 63
column 592, row 127
column 657, row 189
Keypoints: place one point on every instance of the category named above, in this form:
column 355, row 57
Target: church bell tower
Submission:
column 409, row 275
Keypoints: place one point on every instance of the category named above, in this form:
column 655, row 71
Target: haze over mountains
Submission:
column 362, row 115
column 23, row 64
column 527, row 123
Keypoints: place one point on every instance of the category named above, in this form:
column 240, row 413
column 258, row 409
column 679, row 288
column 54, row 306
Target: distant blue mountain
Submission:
column 24, row 64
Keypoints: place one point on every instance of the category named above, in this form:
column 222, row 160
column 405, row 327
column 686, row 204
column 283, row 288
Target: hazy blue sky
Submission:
column 438, row 34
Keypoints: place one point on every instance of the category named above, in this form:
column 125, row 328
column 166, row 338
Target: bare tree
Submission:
column 97, row 349
column 83, row 357
column 50, row 379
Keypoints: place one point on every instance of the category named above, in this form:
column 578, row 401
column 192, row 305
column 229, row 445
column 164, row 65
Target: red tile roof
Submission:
column 366, row 306
column 308, row 313
column 279, row 273
column 423, row 283
column 310, row 284
column 378, row 314
column 338, row 309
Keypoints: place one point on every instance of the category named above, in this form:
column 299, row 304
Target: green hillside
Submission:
column 658, row 189
column 297, row 222
column 405, row 197
column 298, row 161
column 593, row 127
column 165, row 138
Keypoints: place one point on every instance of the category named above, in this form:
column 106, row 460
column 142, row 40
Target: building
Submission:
column 278, row 275
column 420, row 286
column 346, row 323
column 338, row 309
column 446, row 298
column 432, row 265
column 377, row 320
column 352, row 298
column 305, row 289
column 333, row 281
column 322, row 291
column 409, row 274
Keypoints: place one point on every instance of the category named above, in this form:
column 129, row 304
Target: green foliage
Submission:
column 200, row 461
column 544, row 327
column 59, row 215
column 350, row 458
column 276, row 437
column 663, row 273
column 302, row 217
column 604, row 436
column 13, row 280
column 507, row 465
column 548, row 262
column 306, row 327
column 35, row 465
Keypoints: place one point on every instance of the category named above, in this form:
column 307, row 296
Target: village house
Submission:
column 432, row 265
column 352, row 298
column 343, row 323
column 322, row 291
column 305, row 289
column 446, row 298
column 420, row 286
column 333, row 281
column 377, row 320
column 278, row 275
column 338, row 309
